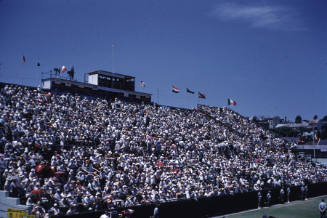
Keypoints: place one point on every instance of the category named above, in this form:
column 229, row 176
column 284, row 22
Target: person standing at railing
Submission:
column 156, row 212
column 259, row 199
column 288, row 192
column 306, row 192
column 322, row 208
column 302, row 192
column 268, row 199
column 281, row 194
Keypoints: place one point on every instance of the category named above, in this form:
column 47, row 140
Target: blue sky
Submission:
column 269, row 56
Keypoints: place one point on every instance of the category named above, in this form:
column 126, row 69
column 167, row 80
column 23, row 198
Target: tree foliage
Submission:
column 298, row 119
column 286, row 132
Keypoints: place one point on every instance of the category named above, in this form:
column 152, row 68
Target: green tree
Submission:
column 323, row 132
column 298, row 119
column 286, row 132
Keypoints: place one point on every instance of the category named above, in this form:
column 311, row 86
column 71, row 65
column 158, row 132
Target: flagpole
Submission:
column 313, row 142
column 112, row 56
column 158, row 95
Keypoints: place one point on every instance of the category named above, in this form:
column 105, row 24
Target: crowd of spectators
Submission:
column 64, row 153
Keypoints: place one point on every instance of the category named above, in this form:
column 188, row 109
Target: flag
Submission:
column 316, row 136
column 231, row 102
column 142, row 84
column 56, row 70
column 63, row 69
column 174, row 89
column 201, row 95
column 71, row 72
column 24, row 59
column 189, row 91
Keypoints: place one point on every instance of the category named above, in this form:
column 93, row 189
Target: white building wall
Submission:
column 93, row 79
column 46, row 84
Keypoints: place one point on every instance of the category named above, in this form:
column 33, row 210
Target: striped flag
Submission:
column 231, row 102
column 174, row 89
column 317, row 138
column 56, row 70
column 24, row 59
column 71, row 72
column 201, row 95
column 189, row 91
column 63, row 69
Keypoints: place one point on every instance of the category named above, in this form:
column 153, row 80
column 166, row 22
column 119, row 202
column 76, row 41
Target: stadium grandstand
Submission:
column 79, row 155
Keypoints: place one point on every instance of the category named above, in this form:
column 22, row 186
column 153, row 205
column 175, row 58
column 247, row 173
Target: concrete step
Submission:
column 4, row 194
column 7, row 202
column 12, row 201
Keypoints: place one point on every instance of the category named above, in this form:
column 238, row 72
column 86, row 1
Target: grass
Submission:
column 296, row 209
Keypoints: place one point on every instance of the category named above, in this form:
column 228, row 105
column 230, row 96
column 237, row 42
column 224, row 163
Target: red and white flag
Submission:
column 201, row 95
column 231, row 102
column 174, row 89
column 63, row 69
